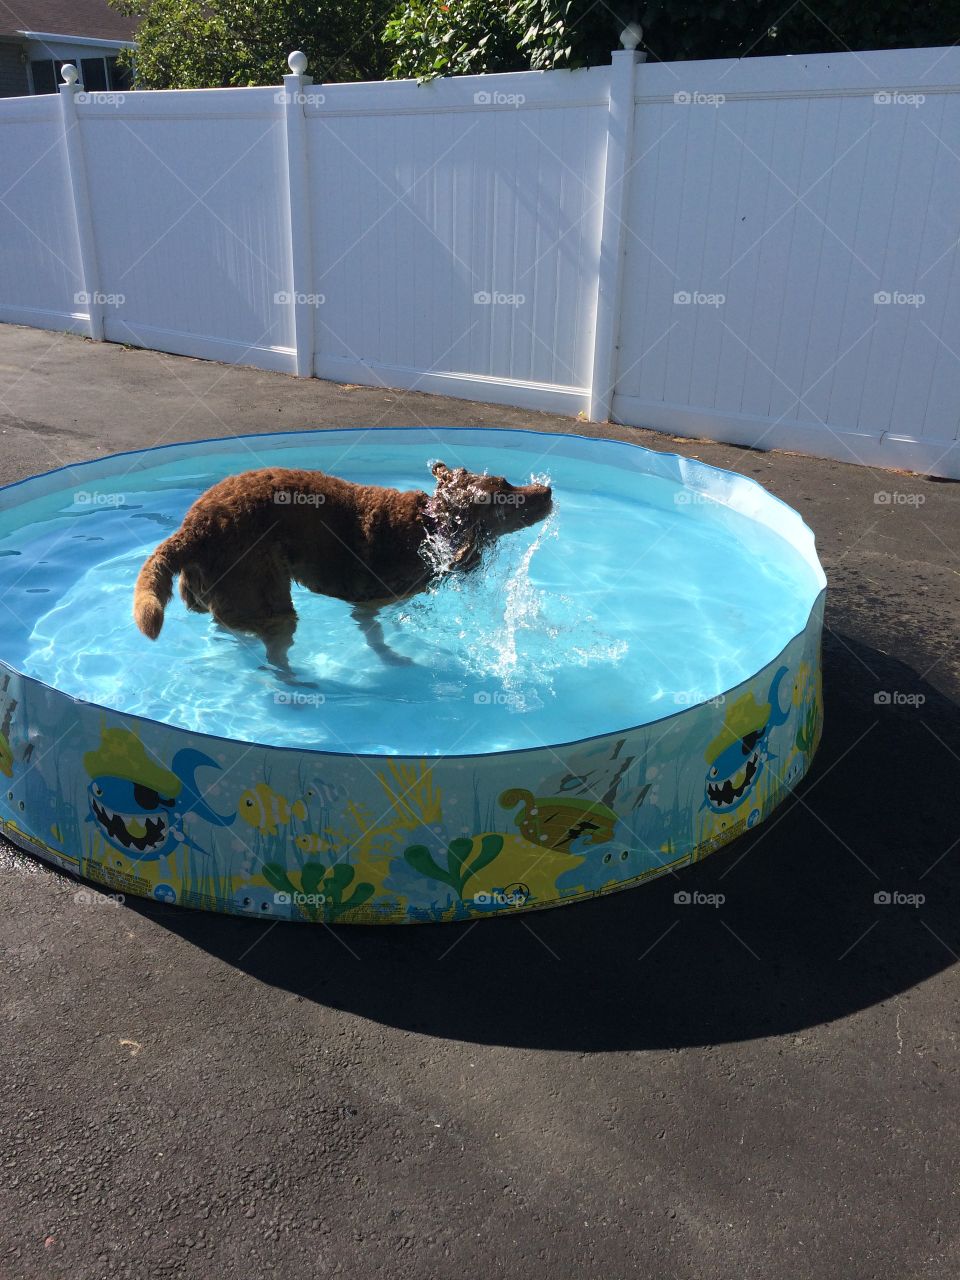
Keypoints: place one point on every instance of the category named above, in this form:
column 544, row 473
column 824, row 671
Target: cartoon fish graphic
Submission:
column 312, row 842
column 555, row 822
column 740, row 751
column 137, row 803
column 266, row 810
column 6, row 757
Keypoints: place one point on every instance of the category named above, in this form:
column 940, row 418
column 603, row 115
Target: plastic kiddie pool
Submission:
column 617, row 692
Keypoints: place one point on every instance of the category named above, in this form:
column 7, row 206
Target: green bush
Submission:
column 430, row 38
column 195, row 44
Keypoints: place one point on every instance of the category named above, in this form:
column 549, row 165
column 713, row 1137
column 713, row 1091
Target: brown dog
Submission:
column 247, row 538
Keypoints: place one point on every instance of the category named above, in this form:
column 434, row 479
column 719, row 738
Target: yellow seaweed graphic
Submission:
column 361, row 836
column 412, row 795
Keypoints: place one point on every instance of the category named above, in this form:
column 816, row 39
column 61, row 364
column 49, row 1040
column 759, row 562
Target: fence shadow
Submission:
column 799, row 939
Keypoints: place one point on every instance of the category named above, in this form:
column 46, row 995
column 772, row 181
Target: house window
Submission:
column 93, row 74
column 45, row 73
column 117, row 77
column 96, row 74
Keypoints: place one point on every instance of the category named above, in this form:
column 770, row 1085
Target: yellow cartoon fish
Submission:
column 313, row 843
column 266, row 810
column 6, row 757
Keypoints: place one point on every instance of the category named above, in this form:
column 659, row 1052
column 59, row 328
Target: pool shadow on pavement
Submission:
column 801, row 937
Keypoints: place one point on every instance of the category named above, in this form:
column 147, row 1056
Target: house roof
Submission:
column 92, row 18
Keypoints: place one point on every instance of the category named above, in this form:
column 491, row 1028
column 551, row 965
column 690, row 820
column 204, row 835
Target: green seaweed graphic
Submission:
column 807, row 728
column 458, row 870
column 324, row 888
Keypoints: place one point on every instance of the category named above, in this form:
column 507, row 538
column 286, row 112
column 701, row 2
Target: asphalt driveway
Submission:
column 624, row 1087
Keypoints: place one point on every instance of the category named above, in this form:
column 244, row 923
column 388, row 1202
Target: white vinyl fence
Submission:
column 763, row 251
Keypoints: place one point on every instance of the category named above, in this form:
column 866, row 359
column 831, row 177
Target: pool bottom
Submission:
column 145, row 809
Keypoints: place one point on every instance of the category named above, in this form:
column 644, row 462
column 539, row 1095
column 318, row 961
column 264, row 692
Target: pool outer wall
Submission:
column 285, row 833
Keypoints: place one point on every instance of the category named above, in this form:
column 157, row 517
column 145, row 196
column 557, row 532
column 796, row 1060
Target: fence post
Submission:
column 77, row 177
column 298, row 212
column 620, row 117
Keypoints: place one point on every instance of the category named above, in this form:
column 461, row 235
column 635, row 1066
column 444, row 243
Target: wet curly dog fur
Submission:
column 247, row 539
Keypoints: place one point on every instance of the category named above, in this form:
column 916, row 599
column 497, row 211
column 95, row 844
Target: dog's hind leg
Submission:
column 254, row 596
column 366, row 616
column 191, row 589
column 275, row 631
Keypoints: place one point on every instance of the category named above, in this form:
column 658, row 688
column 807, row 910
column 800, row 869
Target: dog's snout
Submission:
column 537, row 503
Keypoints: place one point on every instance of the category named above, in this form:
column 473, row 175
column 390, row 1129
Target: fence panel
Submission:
column 456, row 232
column 39, row 257
column 790, row 272
column 189, row 214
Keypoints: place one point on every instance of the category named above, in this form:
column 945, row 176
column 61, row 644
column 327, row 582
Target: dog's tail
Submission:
column 155, row 586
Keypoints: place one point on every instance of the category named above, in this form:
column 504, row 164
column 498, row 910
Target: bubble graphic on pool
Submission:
column 616, row 691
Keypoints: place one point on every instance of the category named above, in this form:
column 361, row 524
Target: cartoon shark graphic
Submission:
column 137, row 804
column 739, row 752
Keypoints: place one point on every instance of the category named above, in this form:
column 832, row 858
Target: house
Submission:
column 38, row 36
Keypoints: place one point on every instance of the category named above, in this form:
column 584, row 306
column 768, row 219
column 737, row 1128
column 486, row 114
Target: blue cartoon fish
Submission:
column 740, row 752
column 137, row 804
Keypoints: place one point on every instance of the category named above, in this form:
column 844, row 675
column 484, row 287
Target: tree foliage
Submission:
column 198, row 43
column 191, row 44
column 469, row 36
column 433, row 37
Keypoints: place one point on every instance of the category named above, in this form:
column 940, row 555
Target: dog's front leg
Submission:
column 369, row 623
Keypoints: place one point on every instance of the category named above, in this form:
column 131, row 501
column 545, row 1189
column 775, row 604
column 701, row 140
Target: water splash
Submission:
column 523, row 610
column 438, row 549
column 507, row 630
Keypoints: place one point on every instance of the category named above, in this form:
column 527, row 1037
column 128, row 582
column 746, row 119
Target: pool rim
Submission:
column 380, row 755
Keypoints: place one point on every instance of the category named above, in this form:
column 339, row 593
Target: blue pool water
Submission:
column 636, row 599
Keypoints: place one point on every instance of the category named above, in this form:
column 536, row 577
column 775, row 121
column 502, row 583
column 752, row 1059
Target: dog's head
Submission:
column 482, row 507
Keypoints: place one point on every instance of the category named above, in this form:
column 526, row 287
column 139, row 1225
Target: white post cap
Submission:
column 631, row 35
column 69, row 73
column 297, row 62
